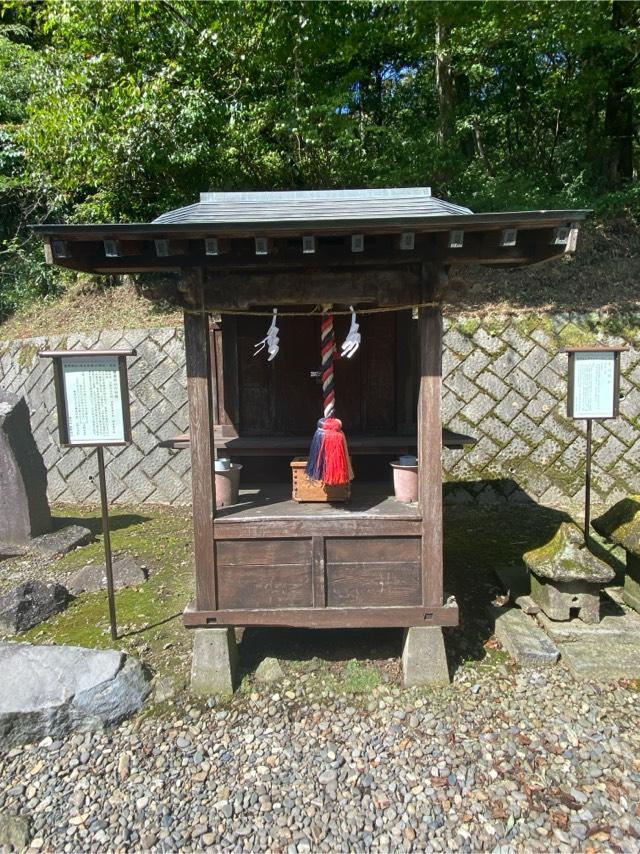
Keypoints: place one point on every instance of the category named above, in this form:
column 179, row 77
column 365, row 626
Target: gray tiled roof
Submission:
column 313, row 206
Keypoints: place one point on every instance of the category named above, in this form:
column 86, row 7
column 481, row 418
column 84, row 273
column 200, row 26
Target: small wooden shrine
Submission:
column 270, row 560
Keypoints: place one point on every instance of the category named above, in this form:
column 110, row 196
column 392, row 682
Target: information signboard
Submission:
column 93, row 400
column 93, row 396
column 594, row 383
column 593, row 393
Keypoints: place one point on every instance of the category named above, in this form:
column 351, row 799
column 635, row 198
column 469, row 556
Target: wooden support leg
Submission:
column 430, row 454
column 198, row 358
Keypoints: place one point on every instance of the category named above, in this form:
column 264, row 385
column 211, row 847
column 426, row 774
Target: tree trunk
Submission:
column 444, row 81
column 619, row 118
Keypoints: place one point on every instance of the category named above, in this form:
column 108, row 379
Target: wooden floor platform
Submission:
column 273, row 502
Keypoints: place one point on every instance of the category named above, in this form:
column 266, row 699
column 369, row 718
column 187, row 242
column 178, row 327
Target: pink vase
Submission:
column 405, row 482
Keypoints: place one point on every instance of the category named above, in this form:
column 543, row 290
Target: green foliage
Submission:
column 119, row 110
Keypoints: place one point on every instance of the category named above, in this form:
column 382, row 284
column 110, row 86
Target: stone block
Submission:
column 24, row 509
column 29, row 604
column 51, row 690
column 62, row 541
column 615, row 624
column 541, row 405
column 474, row 364
column 489, row 342
column 602, row 660
column 14, row 832
column 93, row 577
column 561, row 600
column 510, row 406
column 458, row 342
column 631, row 594
column 492, row 384
column 523, row 639
column 535, row 361
column 214, row 662
column 269, row 670
column 424, row 658
column 517, row 339
column 478, row 408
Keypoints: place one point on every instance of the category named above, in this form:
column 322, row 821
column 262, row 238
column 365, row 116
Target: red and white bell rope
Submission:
column 328, row 348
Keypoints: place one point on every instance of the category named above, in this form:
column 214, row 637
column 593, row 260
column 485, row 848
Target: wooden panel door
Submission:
column 280, row 398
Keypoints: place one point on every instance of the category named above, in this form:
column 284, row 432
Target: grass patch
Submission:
column 359, row 678
column 149, row 616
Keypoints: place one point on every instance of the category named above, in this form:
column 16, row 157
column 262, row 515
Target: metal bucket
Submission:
column 228, row 485
column 405, row 482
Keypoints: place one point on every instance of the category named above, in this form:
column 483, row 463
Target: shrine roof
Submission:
column 397, row 226
column 313, row 206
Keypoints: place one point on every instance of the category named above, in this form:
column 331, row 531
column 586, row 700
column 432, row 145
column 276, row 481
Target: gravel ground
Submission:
column 505, row 759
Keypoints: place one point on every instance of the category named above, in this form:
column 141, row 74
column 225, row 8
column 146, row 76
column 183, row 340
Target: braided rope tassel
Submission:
column 328, row 456
column 328, row 347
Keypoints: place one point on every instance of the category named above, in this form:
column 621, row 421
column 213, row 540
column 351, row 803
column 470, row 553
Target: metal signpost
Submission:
column 92, row 394
column 593, row 393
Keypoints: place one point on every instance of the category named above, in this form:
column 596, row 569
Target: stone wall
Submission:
column 504, row 382
column 140, row 472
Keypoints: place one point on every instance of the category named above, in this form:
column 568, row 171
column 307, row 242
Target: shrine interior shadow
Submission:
column 488, row 526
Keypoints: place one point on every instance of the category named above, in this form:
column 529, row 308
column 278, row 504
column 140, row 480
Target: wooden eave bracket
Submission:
column 480, row 244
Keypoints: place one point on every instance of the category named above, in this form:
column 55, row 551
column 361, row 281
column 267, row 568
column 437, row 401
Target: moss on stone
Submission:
column 566, row 558
column 149, row 616
column 27, row 355
column 621, row 524
column 468, row 325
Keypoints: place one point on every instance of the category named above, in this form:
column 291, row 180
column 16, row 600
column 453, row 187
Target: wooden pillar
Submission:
column 198, row 360
column 430, row 453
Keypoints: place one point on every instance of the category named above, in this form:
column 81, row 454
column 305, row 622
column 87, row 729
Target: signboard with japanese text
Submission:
column 93, row 397
column 594, row 383
column 93, row 400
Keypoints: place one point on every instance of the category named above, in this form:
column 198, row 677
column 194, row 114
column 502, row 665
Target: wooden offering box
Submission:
column 305, row 489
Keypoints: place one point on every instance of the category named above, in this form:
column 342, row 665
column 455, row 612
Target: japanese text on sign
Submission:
column 594, row 385
column 93, row 398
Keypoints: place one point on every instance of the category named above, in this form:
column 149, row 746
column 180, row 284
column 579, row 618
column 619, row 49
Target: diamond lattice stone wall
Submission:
column 504, row 382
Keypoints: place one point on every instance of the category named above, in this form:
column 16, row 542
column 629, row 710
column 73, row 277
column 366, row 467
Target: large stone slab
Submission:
column 604, row 660
column 621, row 524
column 31, row 603
column 24, row 509
column 523, row 638
column 127, row 572
column 424, row 657
column 51, row 690
column 615, row 624
column 62, row 541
